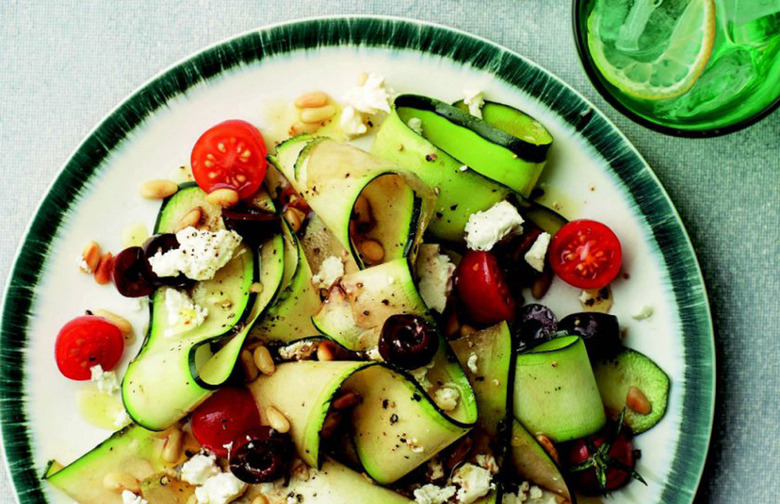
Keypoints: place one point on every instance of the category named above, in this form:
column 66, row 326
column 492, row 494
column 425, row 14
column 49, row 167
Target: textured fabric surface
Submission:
column 64, row 64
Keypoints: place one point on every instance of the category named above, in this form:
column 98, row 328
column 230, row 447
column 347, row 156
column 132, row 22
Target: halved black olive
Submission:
column 261, row 455
column 131, row 273
column 408, row 341
column 599, row 331
column 253, row 224
column 535, row 324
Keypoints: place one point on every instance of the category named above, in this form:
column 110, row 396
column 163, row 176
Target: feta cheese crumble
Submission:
column 200, row 255
column 198, row 469
column 415, row 124
column 331, row 270
column 432, row 494
column 129, row 497
column 374, row 355
column 474, row 482
column 352, row 122
column 183, row 313
column 447, row 398
column 535, row 255
column 644, row 313
column 472, row 363
column 485, row 229
column 106, row 381
column 435, row 271
column 421, row 376
column 122, row 419
column 298, row 351
column 475, row 100
column 366, row 99
column 220, row 489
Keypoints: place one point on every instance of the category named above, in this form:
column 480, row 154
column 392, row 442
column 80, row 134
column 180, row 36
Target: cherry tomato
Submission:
column 85, row 342
column 230, row 155
column 602, row 472
column 586, row 254
column 223, row 417
column 482, row 288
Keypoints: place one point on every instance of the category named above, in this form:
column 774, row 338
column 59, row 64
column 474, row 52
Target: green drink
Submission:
column 684, row 67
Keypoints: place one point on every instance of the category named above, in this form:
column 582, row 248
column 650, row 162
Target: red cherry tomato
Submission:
column 482, row 288
column 85, row 342
column 223, row 417
column 617, row 466
column 586, row 254
column 230, row 155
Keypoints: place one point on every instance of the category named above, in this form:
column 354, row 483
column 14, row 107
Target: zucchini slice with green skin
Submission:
column 498, row 155
column 331, row 176
column 532, row 463
column 512, row 121
column 629, row 368
column 555, row 391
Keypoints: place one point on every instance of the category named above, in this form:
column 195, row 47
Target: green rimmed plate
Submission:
column 594, row 172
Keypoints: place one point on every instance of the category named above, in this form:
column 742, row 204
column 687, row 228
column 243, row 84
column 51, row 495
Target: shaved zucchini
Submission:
column 513, row 121
column 532, row 463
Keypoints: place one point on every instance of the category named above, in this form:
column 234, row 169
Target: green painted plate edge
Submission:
column 387, row 32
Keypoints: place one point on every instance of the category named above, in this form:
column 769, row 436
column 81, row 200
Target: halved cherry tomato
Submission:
column 230, row 155
column 596, row 471
column 482, row 288
column 223, row 417
column 85, row 342
column 586, row 254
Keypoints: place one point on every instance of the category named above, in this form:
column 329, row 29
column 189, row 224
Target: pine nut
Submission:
column 277, row 420
column 637, row 401
column 311, row 99
column 190, row 219
column 326, row 351
column 548, row 446
column 122, row 323
column 104, row 269
column 172, row 448
column 223, row 197
column 248, row 365
column 372, row 251
column 120, row 481
column 318, row 114
column 90, row 257
column 330, row 424
column 264, row 361
column 361, row 211
column 294, row 218
column 362, row 78
column 158, row 189
column 346, row 400
column 299, row 127
column 256, row 288
column 466, row 330
column 260, row 499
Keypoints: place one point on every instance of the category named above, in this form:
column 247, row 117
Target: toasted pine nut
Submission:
column 466, row 330
column 299, row 127
column 362, row 78
column 190, row 219
column 104, row 269
column 120, row 481
column 122, row 323
column 326, row 351
column 171, row 451
column 329, row 425
column 541, row 285
column 294, row 218
column 277, row 420
column 223, row 197
column 637, row 401
column 361, row 211
column 264, row 361
column 256, row 288
column 260, row 499
column 158, row 189
column 372, row 251
column 548, row 446
column 346, row 400
column 318, row 114
column 90, row 257
column 248, row 365
column 311, row 99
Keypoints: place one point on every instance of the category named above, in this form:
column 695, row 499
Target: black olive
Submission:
column 261, row 455
column 600, row 332
column 131, row 273
column 160, row 244
column 408, row 341
column 253, row 224
column 535, row 324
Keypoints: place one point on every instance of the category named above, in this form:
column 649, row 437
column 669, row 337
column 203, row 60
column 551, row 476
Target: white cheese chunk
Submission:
column 415, row 124
column 485, row 229
column 435, row 272
column 129, row 497
column 374, row 355
column 644, row 313
column 300, row 350
column 122, row 419
column 487, row 461
column 198, row 469
column 473, row 482
column 447, row 398
column 106, row 381
column 472, row 363
column 220, row 489
column 183, row 314
column 475, row 100
column 370, row 97
column 352, row 122
column 331, row 270
column 535, row 255
column 200, row 255
column 432, row 494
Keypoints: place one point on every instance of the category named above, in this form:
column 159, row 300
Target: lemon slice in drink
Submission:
column 651, row 49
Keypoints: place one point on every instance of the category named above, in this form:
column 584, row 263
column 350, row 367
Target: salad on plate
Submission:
column 331, row 325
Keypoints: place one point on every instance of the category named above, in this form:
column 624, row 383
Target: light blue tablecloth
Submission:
column 65, row 63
